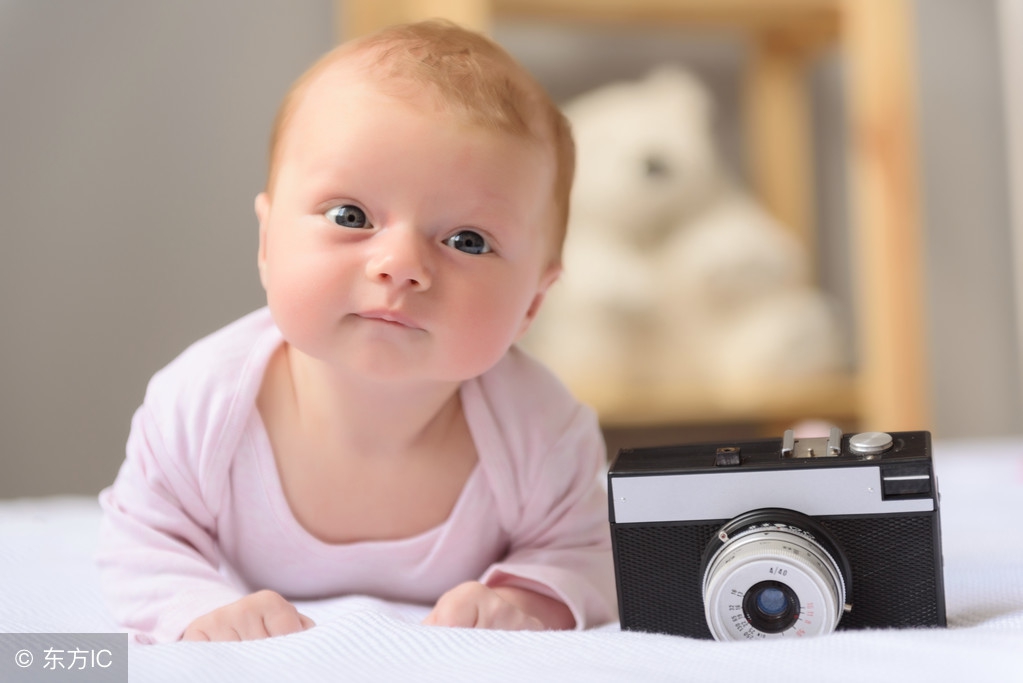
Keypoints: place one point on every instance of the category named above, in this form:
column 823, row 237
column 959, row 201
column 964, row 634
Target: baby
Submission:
column 374, row 430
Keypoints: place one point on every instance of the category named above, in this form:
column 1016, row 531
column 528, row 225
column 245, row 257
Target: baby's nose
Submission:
column 400, row 259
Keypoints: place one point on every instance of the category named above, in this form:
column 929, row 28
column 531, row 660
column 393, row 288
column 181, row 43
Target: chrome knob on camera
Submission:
column 870, row 443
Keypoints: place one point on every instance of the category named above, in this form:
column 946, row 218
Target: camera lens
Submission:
column 770, row 602
column 772, row 579
column 771, row 607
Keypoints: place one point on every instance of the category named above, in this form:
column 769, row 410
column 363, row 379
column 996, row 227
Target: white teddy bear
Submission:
column 672, row 272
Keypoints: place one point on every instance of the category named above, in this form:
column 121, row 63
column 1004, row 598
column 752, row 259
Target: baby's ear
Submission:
column 549, row 277
column 262, row 215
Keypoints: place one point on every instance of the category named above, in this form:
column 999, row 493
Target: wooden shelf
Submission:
column 636, row 405
column 798, row 17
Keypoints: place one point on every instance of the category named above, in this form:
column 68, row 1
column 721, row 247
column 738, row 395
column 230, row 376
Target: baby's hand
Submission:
column 473, row 605
column 260, row 615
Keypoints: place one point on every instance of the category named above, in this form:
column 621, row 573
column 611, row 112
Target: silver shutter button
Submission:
column 870, row 443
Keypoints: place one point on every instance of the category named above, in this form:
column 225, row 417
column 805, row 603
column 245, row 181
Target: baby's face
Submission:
column 400, row 242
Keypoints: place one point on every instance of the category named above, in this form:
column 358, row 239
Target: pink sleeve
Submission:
column 562, row 546
column 158, row 558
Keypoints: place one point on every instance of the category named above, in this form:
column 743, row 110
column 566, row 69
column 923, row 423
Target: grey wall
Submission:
column 132, row 143
column 967, row 217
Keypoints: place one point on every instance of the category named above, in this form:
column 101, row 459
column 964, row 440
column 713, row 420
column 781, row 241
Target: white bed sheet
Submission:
column 49, row 584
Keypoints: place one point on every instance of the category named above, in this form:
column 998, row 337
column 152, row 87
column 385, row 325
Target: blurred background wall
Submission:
column 133, row 141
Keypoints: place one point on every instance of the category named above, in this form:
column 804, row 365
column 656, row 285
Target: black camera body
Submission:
column 779, row 537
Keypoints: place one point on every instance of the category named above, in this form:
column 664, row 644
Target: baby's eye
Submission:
column 468, row 241
column 347, row 216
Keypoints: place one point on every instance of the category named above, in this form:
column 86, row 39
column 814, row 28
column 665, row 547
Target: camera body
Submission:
column 779, row 537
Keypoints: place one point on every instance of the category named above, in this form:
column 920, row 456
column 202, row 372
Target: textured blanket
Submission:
column 49, row 584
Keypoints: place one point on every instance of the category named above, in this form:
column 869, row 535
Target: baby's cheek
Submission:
column 490, row 326
column 300, row 304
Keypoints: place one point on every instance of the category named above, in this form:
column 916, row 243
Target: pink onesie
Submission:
column 197, row 518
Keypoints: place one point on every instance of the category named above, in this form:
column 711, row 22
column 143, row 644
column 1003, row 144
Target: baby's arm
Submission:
column 159, row 556
column 557, row 572
column 560, row 546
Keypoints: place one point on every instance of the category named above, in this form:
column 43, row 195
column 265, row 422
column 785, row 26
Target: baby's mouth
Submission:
column 395, row 318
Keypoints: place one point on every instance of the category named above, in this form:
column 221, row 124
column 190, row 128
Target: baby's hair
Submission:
column 469, row 76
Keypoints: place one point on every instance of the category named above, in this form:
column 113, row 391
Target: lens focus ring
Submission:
column 772, row 580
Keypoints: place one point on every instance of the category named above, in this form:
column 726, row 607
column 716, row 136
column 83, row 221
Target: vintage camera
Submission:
column 778, row 538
